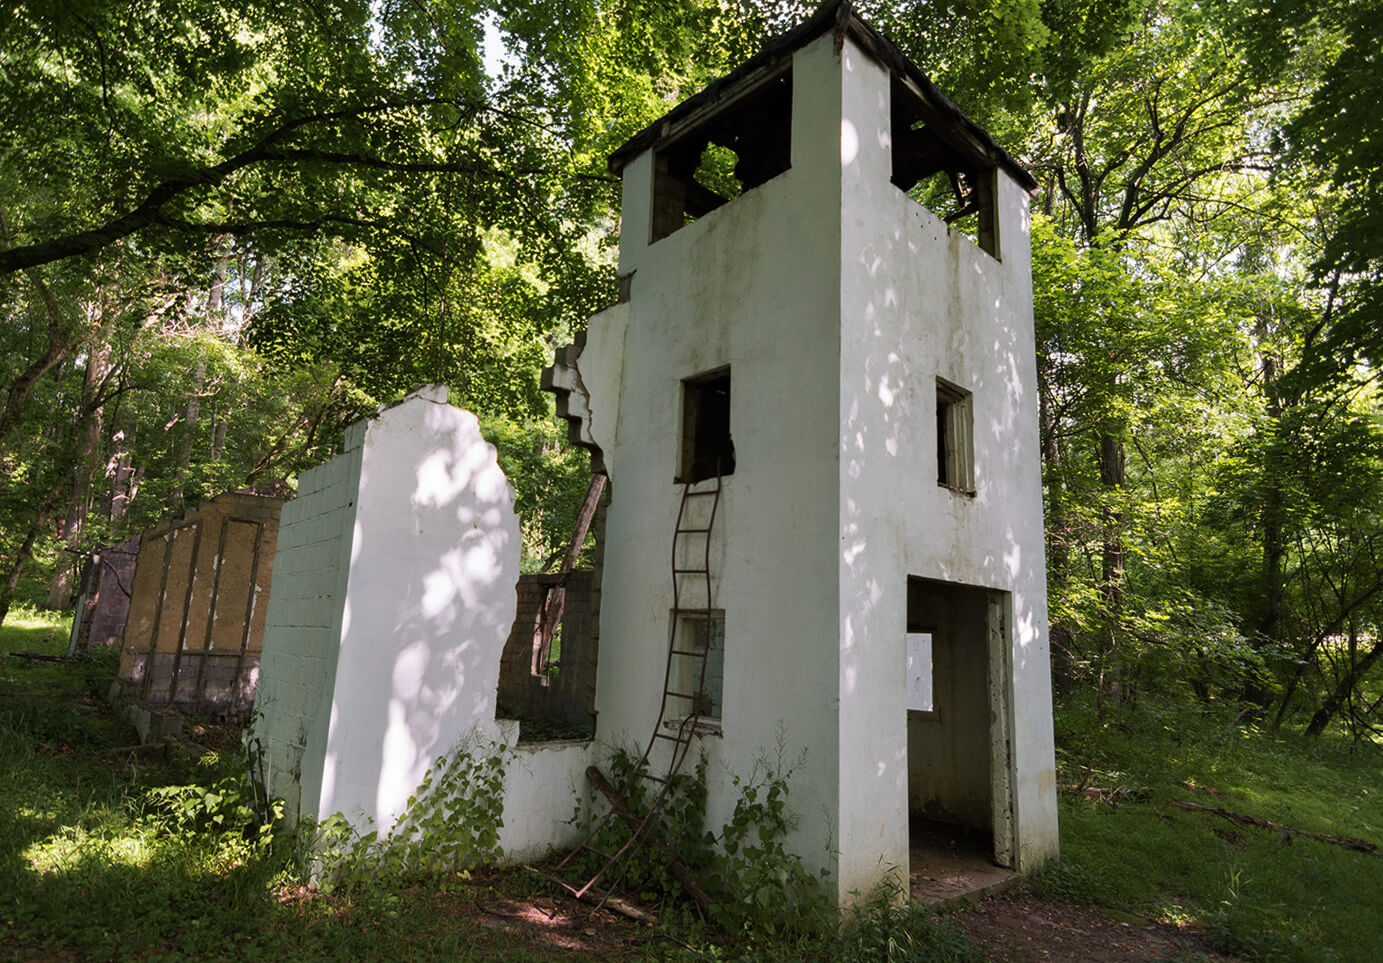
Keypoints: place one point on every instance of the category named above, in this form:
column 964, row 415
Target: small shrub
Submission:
column 451, row 822
column 765, row 886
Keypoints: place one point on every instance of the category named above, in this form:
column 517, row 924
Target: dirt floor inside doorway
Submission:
column 948, row 862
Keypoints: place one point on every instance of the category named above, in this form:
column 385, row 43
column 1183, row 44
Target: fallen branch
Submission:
column 598, row 899
column 1349, row 842
column 675, row 866
column 1108, row 794
column 621, row 906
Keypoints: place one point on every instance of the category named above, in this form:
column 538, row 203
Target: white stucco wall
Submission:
column 388, row 621
column 695, row 306
column 836, row 301
column 920, row 301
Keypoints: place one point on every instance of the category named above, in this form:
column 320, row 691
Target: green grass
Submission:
column 1258, row 893
column 104, row 857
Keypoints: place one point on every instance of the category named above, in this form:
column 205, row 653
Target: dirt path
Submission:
column 1019, row 929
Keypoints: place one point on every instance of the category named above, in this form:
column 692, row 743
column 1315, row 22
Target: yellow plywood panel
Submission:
column 233, row 592
column 173, row 605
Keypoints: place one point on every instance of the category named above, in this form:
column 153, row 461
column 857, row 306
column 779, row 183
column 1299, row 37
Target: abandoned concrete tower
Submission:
column 855, row 379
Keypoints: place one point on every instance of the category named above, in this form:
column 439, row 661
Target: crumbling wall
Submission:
column 399, row 562
column 105, row 602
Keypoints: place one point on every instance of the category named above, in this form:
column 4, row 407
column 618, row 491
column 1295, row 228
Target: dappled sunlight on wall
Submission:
column 404, row 554
column 430, row 600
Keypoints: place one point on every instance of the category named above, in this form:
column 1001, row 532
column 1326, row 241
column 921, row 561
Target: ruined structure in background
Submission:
column 103, row 603
column 196, row 617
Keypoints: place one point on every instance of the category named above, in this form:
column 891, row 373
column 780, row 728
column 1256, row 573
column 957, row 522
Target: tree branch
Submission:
column 150, row 211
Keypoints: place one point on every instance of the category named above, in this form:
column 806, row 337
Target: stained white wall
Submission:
column 695, row 306
column 836, row 301
column 920, row 301
column 297, row 674
column 383, row 647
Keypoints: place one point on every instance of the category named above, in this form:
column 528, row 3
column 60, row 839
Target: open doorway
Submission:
column 960, row 804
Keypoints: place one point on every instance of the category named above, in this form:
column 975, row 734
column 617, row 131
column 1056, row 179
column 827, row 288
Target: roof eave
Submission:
column 839, row 16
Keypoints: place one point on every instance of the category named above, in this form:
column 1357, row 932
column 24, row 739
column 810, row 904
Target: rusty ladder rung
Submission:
column 686, row 728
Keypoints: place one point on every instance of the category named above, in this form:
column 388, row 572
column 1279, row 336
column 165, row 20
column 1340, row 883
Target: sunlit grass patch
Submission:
column 1256, row 892
column 71, row 846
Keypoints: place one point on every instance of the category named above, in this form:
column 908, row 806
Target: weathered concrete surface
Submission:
column 106, row 596
column 837, row 302
column 397, row 565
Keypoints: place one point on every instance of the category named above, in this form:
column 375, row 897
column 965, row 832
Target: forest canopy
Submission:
column 227, row 230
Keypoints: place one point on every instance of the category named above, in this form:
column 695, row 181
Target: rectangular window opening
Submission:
column 700, row 639
column 707, row 449
column 739, row 147
column 959, row 189
column 955, row 449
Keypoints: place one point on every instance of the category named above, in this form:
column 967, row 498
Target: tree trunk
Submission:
column 191, row 413
column 1112, row 565
column 1257, row 690
column 218, row 434
column 119, row 489
column 24, row 553
column 1058, row 546
column 88, row 442
column 57, row 350
column 1358, row 668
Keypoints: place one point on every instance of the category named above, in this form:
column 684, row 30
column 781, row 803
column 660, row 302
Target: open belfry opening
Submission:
column 741, row 146
column 957, row 184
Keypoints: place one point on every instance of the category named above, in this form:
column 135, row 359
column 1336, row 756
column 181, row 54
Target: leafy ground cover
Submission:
column 110, row 851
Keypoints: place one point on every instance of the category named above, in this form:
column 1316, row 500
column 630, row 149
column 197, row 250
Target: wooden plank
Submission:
column 555, row 600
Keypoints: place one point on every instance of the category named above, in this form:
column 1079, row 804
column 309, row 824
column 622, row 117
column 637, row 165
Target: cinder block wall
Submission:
column 569, row 695
column 298, row 667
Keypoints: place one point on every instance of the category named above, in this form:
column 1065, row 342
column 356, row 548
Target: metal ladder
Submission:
column 675, row 736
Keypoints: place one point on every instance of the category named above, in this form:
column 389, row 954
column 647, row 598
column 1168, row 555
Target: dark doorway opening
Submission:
column 959, row 786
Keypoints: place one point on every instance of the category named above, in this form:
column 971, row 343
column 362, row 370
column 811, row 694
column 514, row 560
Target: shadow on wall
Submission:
column 429, row 603
column 916, row 340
